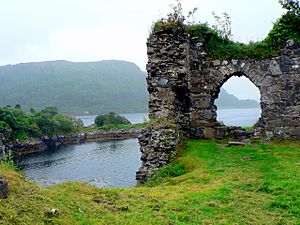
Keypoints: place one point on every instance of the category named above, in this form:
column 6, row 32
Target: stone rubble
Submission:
column 3, row 189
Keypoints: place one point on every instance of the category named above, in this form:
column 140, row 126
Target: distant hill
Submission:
column 85, row 87
column 229, row 101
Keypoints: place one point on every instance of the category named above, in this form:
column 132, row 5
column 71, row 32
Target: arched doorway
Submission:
column 238, row 103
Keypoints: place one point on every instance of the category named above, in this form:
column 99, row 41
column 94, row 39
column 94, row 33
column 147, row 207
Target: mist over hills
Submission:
column 85, row 87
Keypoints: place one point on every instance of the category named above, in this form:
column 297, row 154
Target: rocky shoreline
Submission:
column 45, row 143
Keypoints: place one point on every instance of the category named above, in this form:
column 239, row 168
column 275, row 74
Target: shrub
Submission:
column 110, row 118
column 5, row 129
column 287, row 27
column 16, row 124
column 166, row 25
column 51, row 122
column 8, row 161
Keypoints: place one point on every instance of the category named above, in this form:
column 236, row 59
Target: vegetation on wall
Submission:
column 16, row 124
column 286, row 28
column 218, row 40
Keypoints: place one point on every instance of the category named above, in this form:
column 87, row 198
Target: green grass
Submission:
column 209, row 183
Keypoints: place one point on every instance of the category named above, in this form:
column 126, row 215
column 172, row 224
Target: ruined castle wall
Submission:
column 159, row 143
column 183, row 85
column 167, row 77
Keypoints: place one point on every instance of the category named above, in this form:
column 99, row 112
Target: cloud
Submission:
column 100, row 43
column 98, row 29
column 242, row 88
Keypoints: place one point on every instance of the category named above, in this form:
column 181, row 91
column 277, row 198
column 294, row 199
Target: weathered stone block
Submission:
column 3, row 189
column 209, row 133
column 216, row 63
column 275, row 68
column 294, row 132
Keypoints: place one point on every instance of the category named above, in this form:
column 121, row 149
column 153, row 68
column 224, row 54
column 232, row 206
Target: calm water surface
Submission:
column 109, row 163
column 238, row 117
column 230, row 117
column 134, row 118
column 104, row 164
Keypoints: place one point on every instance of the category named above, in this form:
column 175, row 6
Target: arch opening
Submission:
column 238, row 102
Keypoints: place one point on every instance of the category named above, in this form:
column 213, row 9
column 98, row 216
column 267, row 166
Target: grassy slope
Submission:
column 221, row 185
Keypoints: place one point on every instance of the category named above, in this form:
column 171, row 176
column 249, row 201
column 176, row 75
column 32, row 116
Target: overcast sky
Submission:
column 93, row 30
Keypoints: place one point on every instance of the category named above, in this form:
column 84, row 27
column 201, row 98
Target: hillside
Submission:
column 229, row 101
column 86, row 87
column 93, row 87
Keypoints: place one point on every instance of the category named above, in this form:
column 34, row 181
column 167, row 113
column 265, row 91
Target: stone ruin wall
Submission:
column 183, row 86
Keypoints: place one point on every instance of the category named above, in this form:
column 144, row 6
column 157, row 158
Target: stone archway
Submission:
column 238, row 103
column 183, row 85
column 203, row 115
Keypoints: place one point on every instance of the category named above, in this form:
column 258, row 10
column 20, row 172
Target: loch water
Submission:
column 105, row 163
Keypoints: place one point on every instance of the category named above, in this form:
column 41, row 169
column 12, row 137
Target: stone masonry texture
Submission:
column 183, row 86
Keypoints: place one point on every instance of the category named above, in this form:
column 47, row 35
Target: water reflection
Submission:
column 104, row 164
column 238, row 117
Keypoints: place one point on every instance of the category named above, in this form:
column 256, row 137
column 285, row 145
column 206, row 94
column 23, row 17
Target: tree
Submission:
column 16, row 124
column 50, row 111
column 286, row 28
column 292, row 6
column 32, row 111
column 51, row 122
column 5, row 129
column 110, row 118
column 18, row 106
column 66, row 124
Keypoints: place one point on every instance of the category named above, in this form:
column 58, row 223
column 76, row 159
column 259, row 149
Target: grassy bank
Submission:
column 208, row 184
